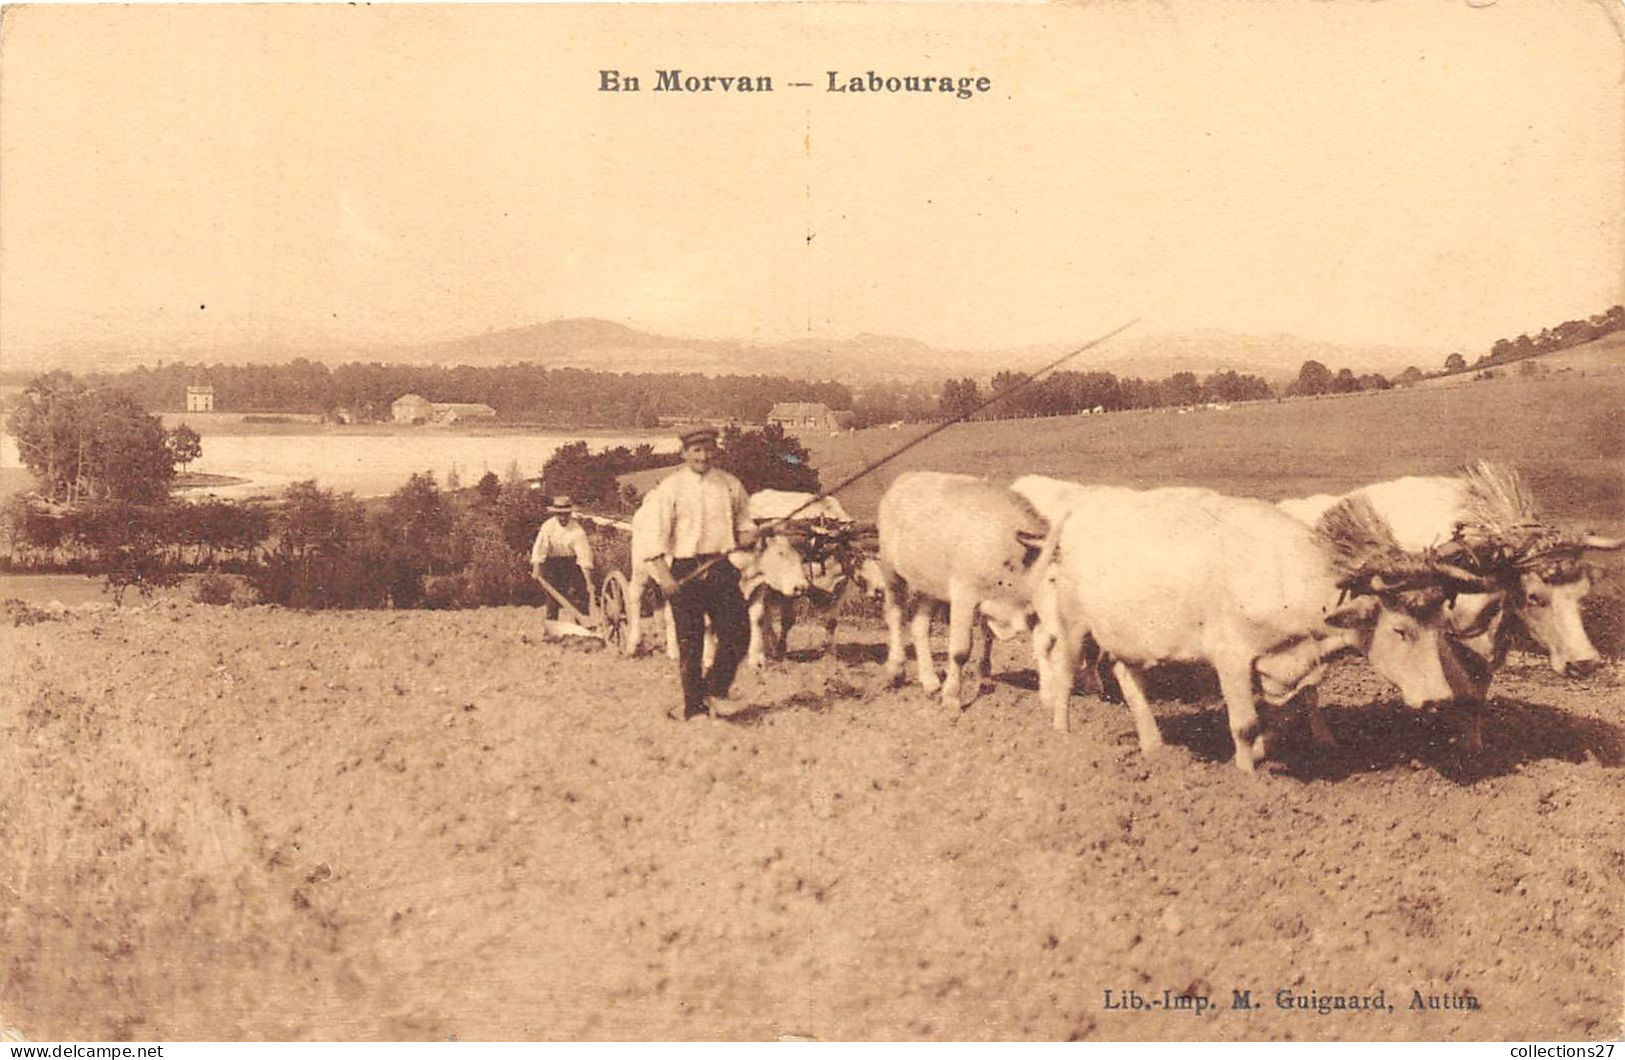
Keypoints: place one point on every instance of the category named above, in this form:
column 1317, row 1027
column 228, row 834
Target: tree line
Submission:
column 520, row 393
column 1567, row 334
column 1069, row 393
column 104, row 468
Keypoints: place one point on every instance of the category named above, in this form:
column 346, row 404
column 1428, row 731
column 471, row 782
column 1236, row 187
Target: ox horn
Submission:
column 1460, row 577
column 1603, row 544
column 1382, row 583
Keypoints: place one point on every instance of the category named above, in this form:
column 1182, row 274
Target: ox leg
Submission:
column 787, row 622
column 832, row 617
column 892, row 606
column 984, row 665
column 1089, row 658
column 920, row 622
column 757, row 611
column 1319, row 731
column 962, row 620
column 1473, row 726
column 634, row 613
column 1134, row 691
column 1470, row 668
column 671, row 632
column 1236, row 682
column 1056, row 656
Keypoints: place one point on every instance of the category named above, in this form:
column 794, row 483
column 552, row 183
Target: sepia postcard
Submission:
column 812, row 521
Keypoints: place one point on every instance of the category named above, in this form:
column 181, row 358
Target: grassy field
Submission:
column 1565, row 433
column 1604, row 354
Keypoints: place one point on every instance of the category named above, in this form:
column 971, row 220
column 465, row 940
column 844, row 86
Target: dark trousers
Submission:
column 563, row 574
column 714, row 593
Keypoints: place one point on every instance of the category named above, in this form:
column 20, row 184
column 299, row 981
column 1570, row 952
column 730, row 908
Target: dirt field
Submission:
column 253, row 823
column 267, row 824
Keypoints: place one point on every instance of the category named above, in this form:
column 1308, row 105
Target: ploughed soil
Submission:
column 254, row 823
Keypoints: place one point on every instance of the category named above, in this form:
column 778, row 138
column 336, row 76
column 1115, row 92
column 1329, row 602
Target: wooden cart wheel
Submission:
column 612, row 602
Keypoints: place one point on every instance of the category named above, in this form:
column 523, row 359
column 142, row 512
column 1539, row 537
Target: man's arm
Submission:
column 538, row 552
column 663, row 497
column 583, row 549
column 744, row 525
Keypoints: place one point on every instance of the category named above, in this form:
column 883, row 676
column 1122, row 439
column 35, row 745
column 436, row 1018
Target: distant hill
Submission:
column 608, row 346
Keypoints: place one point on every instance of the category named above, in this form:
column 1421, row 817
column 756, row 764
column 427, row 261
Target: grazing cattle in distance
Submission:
column 1486, row 520
column 963, row 541
column 1190, row 575
column 836, row 570
column 772, row 562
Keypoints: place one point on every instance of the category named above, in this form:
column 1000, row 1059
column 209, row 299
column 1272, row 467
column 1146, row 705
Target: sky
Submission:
column 1431, row 175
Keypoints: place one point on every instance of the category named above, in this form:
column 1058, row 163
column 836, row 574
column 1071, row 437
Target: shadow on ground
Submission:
column 1384, row 736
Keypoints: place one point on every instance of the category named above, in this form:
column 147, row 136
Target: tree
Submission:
column 90, row 443
column 1181, row 389
column 1345, row 382
column 414, row 532
column 767, row 459
column 586, row 478
column 959, row 397
column 1457, row 363
column 129, row 548
column 1313, row 378
column 1410, row 376
column 323, row 556
column 185, row 444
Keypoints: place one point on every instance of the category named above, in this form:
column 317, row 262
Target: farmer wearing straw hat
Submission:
column 562, row 557
column 704, row 513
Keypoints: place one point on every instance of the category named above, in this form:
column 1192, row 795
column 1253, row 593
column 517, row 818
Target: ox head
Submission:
column 1545, row 594
column 1539, row 568
column 774, row 562
column 870, row 578
column 1394, row 602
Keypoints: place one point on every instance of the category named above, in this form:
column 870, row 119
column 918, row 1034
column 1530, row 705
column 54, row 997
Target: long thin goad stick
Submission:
column 870, row 469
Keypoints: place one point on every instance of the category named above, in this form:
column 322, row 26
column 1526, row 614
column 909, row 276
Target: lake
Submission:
column 369, row 463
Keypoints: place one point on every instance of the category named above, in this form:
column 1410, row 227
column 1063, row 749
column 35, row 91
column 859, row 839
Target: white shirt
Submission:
column 556, row 539
column 699, row 514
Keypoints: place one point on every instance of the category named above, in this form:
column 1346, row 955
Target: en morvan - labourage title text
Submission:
column 870, row 82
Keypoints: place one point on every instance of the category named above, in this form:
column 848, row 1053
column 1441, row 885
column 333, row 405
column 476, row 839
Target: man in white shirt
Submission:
column 704, row 513
column 562, row 556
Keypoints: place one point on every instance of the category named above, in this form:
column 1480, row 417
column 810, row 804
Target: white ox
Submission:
column 772, row 563
column 1485, row 514
column 831, row 579
column 964, row 541
column 1193, row 576
column 1544, row 594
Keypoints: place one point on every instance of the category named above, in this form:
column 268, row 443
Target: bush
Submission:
column 495, row 574
column 767, row 459
column 215, row 589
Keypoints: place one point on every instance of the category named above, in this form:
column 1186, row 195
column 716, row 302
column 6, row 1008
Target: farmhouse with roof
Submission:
column 414, row 408
column 200, row 399
column 807, row 416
